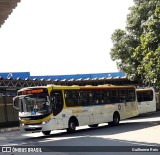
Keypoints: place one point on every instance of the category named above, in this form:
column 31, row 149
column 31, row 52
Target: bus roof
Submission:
column 63, row 87
column 90, row 87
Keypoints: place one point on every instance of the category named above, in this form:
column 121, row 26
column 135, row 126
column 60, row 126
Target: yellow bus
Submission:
column 52, row 107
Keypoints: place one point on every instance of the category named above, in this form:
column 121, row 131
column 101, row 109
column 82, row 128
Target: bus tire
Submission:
column 93, row 126
column 71, row 126
column 46, row 132
column 116, row 119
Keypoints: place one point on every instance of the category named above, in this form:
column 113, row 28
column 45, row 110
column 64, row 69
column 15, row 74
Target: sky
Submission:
column 61, row 37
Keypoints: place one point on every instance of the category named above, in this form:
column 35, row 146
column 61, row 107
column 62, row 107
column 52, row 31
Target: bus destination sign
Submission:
column 31, row 91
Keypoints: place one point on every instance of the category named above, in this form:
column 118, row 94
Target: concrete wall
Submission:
column 8, row 115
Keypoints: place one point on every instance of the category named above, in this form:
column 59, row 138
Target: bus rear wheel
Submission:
column 116, row 119
column 46, row 132
column 71, row 126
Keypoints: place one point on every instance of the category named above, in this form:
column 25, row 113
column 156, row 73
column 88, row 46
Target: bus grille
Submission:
column 33, row 129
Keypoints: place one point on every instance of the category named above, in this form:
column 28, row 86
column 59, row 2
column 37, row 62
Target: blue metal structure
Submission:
column 26, row 75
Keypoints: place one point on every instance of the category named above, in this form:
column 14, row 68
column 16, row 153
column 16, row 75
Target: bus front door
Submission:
column 57, row 107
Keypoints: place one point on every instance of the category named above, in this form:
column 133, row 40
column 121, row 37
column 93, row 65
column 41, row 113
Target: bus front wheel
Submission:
column 46, row 132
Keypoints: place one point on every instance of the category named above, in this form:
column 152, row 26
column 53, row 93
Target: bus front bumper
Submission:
column 32, row 128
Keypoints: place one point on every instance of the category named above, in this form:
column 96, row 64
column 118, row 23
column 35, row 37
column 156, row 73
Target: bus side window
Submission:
column 90, row 97
column 68, row 98
column 101, row 97
column 114, row 98
column 131, row 95
column 95, row 98
column 106, row 97
column 82, row 98
column 71, row 98
column 148, row 95
column 123, row 96
column 75, row 98
column 139, row 96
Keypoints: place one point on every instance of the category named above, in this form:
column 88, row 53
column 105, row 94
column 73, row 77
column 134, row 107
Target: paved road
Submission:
column 138, row 133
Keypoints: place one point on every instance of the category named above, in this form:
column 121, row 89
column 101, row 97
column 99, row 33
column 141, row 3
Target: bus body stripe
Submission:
column 38, row 121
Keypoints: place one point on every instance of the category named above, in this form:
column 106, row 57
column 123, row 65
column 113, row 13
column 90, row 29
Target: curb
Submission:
column 9, row 129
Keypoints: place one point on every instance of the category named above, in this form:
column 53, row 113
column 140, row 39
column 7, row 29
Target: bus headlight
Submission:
column 46, row 121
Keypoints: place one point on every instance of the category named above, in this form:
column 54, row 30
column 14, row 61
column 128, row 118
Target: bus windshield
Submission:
column 34, row 104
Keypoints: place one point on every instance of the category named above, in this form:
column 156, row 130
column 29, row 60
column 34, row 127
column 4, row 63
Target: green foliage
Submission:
column 137, row 48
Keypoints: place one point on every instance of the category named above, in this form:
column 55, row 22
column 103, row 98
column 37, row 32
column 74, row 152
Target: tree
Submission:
column 137, row 48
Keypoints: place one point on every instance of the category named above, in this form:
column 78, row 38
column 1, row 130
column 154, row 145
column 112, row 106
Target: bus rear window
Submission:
column 143, row 96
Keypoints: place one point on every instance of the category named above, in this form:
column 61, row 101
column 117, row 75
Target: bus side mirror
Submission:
column 16, row 103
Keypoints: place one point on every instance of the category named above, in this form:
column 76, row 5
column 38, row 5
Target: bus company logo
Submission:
column 119, row 107
column 6, row 149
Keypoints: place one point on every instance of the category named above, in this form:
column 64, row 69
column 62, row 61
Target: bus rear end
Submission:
column 146, row 100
